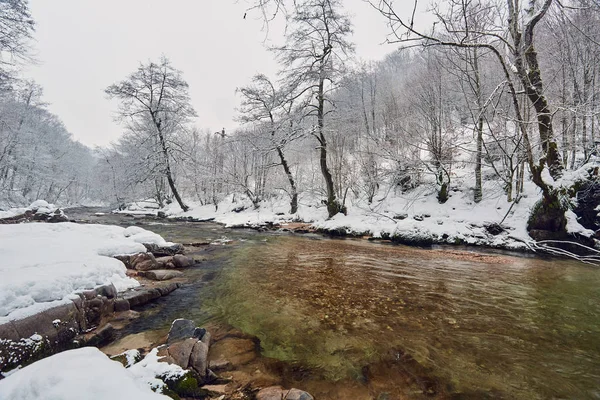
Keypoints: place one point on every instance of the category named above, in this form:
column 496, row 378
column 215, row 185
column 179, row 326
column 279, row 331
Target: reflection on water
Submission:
column 460, row 324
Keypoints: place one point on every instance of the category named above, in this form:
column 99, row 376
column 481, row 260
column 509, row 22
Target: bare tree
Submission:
column 16, row 30
column 155, row 99
column 262, row 102
column 313, row 58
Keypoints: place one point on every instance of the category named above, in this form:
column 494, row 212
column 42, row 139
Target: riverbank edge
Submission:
column 84, row 321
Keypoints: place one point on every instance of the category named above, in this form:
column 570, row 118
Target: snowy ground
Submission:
column 44, row 265
column 87, row 373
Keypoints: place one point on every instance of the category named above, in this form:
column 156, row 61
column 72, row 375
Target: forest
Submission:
column 488, row 99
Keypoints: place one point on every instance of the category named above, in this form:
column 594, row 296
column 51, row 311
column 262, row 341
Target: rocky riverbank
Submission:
column 86, row 319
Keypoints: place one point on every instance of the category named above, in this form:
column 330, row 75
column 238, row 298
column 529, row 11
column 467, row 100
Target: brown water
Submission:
column 361, row 320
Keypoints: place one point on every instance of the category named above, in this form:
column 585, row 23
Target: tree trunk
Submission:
column 288, row 172
column 333, row 206
column 168, row 173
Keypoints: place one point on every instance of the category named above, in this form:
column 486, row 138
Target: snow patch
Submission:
column 45, row 265
column 73, row 375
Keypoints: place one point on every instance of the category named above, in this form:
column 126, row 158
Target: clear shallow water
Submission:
column 376, row 321
column 470, row 324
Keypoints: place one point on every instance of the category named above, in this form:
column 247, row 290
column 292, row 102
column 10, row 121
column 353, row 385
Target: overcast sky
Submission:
column 83, row 46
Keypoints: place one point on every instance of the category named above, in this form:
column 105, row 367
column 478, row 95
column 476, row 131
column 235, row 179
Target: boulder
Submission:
column 181, row 329
column 143, row 262
column 108, row 291
column 161, row 251
column 199, row 359
column 181, row 351
column 122, row 305
column 103, row 336
column 296, row 394
column 160, row 274
column 184, row 329
column 181, row 261
column 165, row 262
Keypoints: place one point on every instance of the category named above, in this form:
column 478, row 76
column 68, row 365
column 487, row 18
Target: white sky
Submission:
column 83, row 46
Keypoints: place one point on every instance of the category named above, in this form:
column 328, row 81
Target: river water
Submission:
column 364, row 320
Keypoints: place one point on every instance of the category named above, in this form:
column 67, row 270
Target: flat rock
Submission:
column 141, row 297
column 161, row 274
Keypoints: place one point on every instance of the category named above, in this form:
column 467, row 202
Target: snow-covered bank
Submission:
column 414, row 217
column 84, row 373
column 44, row 265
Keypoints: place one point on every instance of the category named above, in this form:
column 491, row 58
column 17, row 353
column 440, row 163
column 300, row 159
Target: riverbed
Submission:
column 362, row 320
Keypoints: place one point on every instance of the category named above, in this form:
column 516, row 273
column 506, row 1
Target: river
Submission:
column 362, row 320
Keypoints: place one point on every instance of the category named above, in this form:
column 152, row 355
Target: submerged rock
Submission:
column 278, row 393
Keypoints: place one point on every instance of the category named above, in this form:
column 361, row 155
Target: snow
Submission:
column 150, row 370
column 84, row 373
column 575, row 227
column 45, row 265
column 39, row 206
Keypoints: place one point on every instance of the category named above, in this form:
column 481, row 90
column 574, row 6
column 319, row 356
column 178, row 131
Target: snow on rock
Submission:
column 44, row 265
column 84, row 373
column 151, row 371
column 575, row 227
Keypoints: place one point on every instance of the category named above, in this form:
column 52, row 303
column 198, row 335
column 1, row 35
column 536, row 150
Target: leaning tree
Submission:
column 154, row 99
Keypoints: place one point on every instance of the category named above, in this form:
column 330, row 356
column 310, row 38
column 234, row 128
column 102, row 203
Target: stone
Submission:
column 400, row 216
column 141, row 297
column 8, row 332
column 203, row 334
column 297, row 394
column 125, row 259
column 89, row 294
column 165, row 262
column 270, row 393
column 160, row 274
column 122, row 305
column 418, row 218
column 160, row 251
column 181, row 351
column 167, row 288
column 108, row 291
column 181, row 261
column 184, row 329
column 219, row 365
column 199, row 359
column 104, row 335
column 143, row 262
